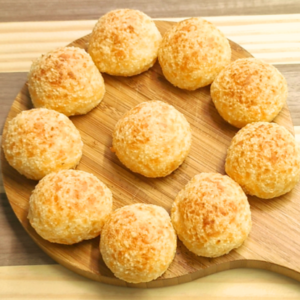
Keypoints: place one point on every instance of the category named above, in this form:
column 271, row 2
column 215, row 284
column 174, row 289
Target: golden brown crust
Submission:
column 211, row 215
column 69, row 206
column 249, row 90
column 40, row 141
column 66, row 80
column 138, row 242
column 264, row 160
column 152, row 139
column 124, row 42
column 192, row 53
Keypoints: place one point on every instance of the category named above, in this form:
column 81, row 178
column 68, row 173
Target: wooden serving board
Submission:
column 274, row 242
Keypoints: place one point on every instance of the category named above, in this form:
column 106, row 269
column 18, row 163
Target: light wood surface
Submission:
column 273, row 38
column 56, row 282
column 37, row 10
column 267, row 247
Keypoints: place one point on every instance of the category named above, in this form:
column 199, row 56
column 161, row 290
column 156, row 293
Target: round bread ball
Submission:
column 264, row 159
column 40, row 141
column 124, row 42
column 152, row 139
column 69, row 206
column 138, row 242
column 211, row 215
column 249, row 90
column 192, row 53
column 66, row 80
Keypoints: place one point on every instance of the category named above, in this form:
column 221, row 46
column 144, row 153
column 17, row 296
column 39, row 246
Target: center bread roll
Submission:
column 152, row 139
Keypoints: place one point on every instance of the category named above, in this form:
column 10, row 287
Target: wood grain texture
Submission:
column 10, row 85
column 267, row 247
column 56, row 282
column 273, row 38
column 16, row 247
column 13, row 236
column 36, row 10
column 291, row 73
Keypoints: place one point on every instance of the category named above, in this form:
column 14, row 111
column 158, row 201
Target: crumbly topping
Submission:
column 211, row 215
column 152, row 139
column 264, row 160
column 192, row 53
column 249, row 90
column 69, row 206
column 40, row 141
column 138, row 242
column 124, row 42
column 66, row 80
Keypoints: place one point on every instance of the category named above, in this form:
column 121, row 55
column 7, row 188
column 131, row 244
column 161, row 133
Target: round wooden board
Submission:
column 275, row 238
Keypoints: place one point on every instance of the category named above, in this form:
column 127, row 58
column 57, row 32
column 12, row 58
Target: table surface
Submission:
column 270, row 30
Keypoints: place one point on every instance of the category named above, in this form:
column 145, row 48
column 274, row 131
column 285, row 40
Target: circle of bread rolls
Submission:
column 66, row 80
column 192, row 53
column 152, row 139
column 264, row 159
column 40, row 141
column 69, row 206
column 211, row 215
column 138, row 242
column 124, row 42
column 249, row 90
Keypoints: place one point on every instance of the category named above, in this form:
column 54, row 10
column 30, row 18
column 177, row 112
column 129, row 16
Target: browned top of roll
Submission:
column 249, row 90
column 124, row 42
column 192, row 53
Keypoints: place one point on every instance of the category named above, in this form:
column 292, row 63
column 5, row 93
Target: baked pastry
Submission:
column 138, row 242
column 249, row 90
column 264, row 159
column 192, row 53
column 40, row 141
column 69, row 206
column 152, row 139
column 66, row 80
column 211, row 215
column 124, row 42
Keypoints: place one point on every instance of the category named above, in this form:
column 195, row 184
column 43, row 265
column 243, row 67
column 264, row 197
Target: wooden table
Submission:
column 269, row 31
